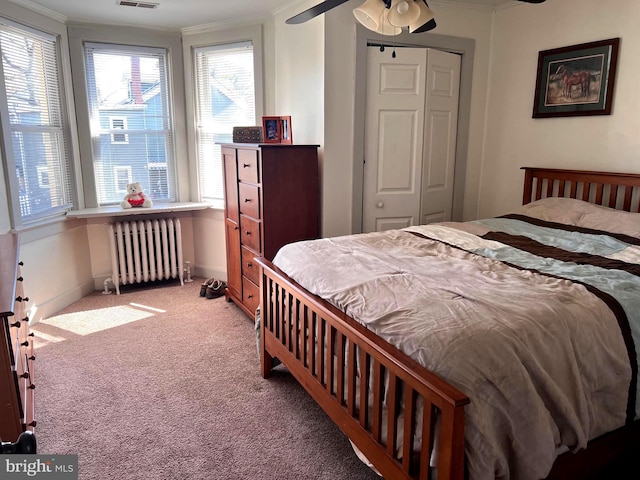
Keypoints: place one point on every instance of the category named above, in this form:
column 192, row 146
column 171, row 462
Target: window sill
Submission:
column 117, row 211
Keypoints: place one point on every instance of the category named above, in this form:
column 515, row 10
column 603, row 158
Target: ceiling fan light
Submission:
column 403, row 12
column 370, row 14
column 385, row 27
column 426, row 20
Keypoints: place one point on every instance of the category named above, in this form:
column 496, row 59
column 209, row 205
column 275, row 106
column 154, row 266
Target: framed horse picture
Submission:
column 577, row 80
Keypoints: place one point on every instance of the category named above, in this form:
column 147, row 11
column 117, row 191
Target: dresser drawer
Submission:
column 250, row 294
column 250, row 233
column 249, row 200
column 250, row 269
column 248, row 166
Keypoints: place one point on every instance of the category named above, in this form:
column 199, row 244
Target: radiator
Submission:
column 145, row 251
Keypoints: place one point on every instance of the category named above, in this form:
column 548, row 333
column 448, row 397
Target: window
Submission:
column 118, row 123
column 130, row 121
column 33, row 125
column 123, row 178
column 225, row 98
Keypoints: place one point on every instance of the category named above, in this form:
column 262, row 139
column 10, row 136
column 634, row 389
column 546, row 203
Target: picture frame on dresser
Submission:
column 272, row 130
column 286, row 132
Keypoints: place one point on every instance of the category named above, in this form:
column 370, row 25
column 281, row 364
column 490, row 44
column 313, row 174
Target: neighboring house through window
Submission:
column 130, row 120
column 34, row 136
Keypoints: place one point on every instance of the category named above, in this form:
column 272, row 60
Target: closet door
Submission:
column 410, row 135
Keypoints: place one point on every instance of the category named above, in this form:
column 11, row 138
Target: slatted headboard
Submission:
column 615, row 190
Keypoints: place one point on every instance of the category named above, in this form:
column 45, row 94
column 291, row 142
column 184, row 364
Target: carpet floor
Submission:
column 160, row 383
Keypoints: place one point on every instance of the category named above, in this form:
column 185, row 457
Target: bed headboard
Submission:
column 614, row 190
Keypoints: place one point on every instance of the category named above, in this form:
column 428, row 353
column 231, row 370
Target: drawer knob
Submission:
column 32, row 358
column 31, row 335
column 31, row 387
column 16, row 324
column 236, row 228
column 247, row 232
column 247, row 200
column 25, row 375
column 19, row 279
column 33, row 424
column 25, row 343
column 22, row 299
column 25, row 319
column 245, row 165
column 249, row 296
column 249, row 264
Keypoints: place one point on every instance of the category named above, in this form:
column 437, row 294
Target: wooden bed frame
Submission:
column 324, row 350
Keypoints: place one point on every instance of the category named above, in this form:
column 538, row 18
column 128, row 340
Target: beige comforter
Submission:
column 541, row 358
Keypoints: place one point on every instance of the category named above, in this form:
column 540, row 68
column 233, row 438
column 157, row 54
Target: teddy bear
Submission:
column 135, row 197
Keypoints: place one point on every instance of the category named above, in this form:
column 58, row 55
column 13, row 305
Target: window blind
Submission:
column 130, row 121
column 37, row 151
column 225, row 98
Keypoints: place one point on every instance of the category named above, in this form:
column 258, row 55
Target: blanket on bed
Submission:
column 535, row 321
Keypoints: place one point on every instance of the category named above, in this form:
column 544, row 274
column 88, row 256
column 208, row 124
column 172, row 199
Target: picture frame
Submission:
column 287, row 133
column 577, row 80
column 271, row 130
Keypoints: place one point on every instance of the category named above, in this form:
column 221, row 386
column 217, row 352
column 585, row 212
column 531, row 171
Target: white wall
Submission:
column 57, row 266
column 299, row 74
column 515, row 139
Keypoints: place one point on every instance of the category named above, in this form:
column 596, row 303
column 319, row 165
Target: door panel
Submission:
column 393, row 135
column 441, row 120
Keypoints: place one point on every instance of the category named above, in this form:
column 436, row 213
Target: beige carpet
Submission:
column 160, row 383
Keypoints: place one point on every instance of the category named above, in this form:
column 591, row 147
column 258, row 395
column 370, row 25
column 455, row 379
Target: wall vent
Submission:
column 128, row 3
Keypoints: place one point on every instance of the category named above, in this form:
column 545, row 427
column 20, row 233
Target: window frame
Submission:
column 11, row 216
column 191, row 41
column 112, row 119
column 149, row 134
column 209, row 155
column 116, row 178
column 134, row 38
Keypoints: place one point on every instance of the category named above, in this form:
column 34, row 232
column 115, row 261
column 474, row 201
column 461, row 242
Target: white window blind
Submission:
column 130, row 121
column 33, row 118
column 225, row 98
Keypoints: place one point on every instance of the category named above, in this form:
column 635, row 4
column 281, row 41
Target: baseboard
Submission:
column 203, row 272
column 53, row 306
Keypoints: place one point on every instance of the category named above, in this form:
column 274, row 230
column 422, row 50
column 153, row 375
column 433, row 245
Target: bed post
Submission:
column 528, row 185
column 264, row 316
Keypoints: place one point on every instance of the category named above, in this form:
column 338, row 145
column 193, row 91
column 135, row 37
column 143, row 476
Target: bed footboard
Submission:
column 377, row 395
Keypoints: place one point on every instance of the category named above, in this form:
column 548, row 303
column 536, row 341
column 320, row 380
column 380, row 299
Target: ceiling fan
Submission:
column 386, row 17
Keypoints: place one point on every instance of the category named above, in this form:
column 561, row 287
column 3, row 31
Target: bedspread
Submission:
column 534, row 321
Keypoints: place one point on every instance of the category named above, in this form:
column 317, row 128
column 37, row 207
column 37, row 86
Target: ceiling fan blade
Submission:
column 315, row 11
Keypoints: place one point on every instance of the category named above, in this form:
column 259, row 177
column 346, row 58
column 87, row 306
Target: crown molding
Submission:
column 34, row 7
column 227, row 24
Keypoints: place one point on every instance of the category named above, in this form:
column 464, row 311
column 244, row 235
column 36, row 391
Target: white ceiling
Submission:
column 178, row 14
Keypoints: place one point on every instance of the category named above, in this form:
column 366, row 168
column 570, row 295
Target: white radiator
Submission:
column 144, row 251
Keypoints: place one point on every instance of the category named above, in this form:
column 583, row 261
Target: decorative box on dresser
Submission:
column 16, row 347
column 271, row 199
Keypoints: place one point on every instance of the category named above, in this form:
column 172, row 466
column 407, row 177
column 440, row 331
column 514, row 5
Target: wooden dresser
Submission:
column 272, row 198
column 16, row 347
